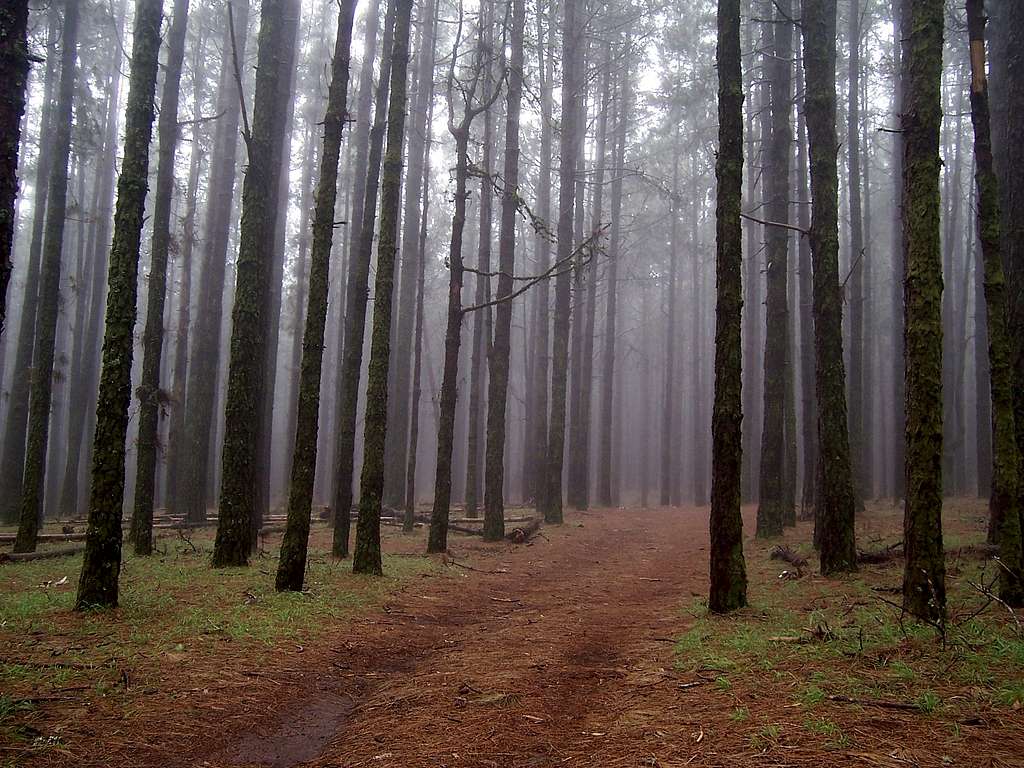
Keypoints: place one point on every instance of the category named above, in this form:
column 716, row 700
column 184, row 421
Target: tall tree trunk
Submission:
column 357, row 296
column 572, row 127
column 176, row 430
column 205, row 354
column 497, row 382
column 357, row 199
column 728, row 568
column 482, row 319
column 836, row 499
column 414, row 405
column 537, row 446
column 16, row 418
column 808, row 398
column 246, row 370
column 14, row 67
column 437, row 540
column 668, row 429
column 366, row 555
column 605, row 496
column 924, row 588
column 291, row 567
column 98, row 583
column 898, row 266
column 1004, row 503
column 49, row 294
column 857, row 255
column 775, row 481
column 397, row 438
column 153, row 336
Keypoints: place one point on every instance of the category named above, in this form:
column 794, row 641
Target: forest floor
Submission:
column 589, row 646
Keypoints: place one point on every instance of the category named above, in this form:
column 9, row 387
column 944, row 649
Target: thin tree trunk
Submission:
column 16, row 418
column 49, row 294
column 836, row 501
column 205, row 354
column 14, row 68
column 153, row 337
column 775, row 481
column 291, row 567
column 366, row 556
column 357, row 296
column 414, row 405
column 497, row 383
column 397, row 438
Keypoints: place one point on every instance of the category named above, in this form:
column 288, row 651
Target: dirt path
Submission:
column 543, row 655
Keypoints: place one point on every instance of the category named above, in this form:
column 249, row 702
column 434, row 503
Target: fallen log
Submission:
column 9, row 538
column 45, row 554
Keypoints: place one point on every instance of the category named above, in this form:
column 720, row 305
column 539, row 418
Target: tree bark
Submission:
column 366, row 555
column 246, row 367
column 14, row 68
column 728, row 568
column 153, row 335
column 497, row 383
column 49, row 294
column 205, row 354
column 357, row 297
column 1004, row 503
column 16, row 418
column 924, row 592
column 291, row 567
column 775, row 481
column 98, row 583
column 836, row 501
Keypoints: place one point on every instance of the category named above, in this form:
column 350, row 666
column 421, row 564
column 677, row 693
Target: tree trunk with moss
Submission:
column 291, row 569
column 205, row 353
column 836, row 502
column 924, row 578
column 366, row 555
column 98, row 583
column 355, row 303
column 33, row 477
column 1004, row 502
column 12, row 462
column 14, row 67
column 774, row 478
column 153, row 336
column 497, row 383
column 728, row 568
column 248, row 343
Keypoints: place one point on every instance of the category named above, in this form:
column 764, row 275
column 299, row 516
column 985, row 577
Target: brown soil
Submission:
column 557, row 653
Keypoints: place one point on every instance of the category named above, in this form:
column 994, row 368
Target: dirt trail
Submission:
column 542, row 655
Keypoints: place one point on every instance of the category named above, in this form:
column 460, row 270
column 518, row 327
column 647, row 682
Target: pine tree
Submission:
column 728, row 568
column 1004, row 503
column 153, row 336
column 498, row 372
column 98, row 583
column 14, row 67
column 924, row 576
column 835, row 501
column 49, row 293
column 291, row 568
column 366, row 555
column 774, row 479
column 248, row 342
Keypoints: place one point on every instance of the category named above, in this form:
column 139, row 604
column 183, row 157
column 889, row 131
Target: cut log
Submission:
column 45, row 554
